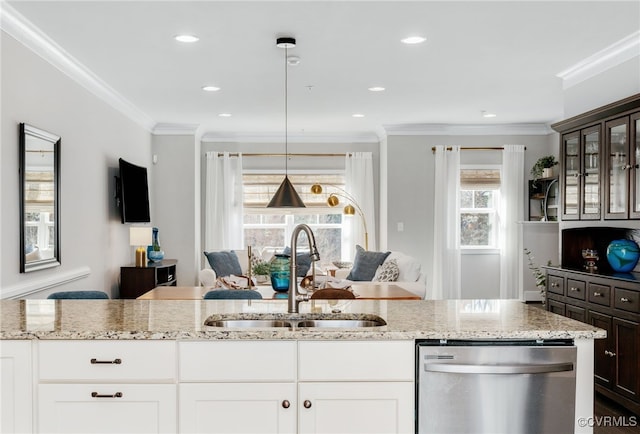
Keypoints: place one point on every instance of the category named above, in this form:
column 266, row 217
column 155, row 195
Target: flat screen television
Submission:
column 132, row 193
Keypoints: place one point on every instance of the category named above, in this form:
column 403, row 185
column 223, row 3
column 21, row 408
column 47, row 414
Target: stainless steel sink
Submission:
column 295, row 321
column 341, row 323
column 248, row 323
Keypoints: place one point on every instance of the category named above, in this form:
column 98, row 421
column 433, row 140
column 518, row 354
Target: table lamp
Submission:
column 141, row 237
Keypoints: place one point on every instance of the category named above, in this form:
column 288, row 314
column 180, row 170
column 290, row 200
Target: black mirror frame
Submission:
column 26, row 129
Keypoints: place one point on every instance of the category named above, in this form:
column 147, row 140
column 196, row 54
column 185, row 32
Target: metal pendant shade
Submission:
column 286, row 196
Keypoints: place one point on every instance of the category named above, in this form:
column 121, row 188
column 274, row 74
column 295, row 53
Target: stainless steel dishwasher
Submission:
column 495, row 387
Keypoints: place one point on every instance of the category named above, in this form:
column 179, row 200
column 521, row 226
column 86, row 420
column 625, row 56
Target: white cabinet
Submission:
column 107, row 408
column 225, row 408
column 16, row 386
column 356, row 407
column 107, row 387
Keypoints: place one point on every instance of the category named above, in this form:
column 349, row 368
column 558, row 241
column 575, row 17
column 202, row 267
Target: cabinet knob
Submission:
column 554, row 284
column 625, row 300
column 573, row 289
column 609, row 353
column 577, row 175
column 98, row 395
column 597, row 294
column 307, row 403
column 286, row 404
column 626, row 167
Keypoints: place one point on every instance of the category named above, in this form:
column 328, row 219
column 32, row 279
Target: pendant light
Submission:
column 286, row 196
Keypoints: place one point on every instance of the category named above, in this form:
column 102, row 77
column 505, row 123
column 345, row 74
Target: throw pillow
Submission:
column 409, row 267
column 366, row 264
column 224, row 263
column 303, row 260
column 387, row 272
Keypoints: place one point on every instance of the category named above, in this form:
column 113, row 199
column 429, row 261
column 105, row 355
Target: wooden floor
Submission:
column 620, row 416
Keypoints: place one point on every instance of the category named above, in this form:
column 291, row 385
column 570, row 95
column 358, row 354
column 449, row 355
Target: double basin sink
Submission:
column 294, row 321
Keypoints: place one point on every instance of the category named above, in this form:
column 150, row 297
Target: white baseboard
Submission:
column 36, row 285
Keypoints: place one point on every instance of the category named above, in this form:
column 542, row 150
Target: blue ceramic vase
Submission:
column 623, row 255
column 280, row 273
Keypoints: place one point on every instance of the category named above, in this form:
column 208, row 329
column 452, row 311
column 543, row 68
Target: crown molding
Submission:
column 613, row 55
column 167, row 129
column 213, row 137
column 468, row 130
column 25, row 32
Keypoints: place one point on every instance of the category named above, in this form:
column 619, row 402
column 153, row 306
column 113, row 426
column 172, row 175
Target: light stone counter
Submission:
column 184, row 319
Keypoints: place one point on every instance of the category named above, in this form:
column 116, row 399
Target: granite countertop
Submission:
column 184, row 319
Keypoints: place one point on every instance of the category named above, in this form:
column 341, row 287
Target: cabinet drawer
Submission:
column 244, row 360
column 576, row 289
column 625, row 299
column 599, row 294
column 556, row 284
column 107, row 361
column 556, row 307
column 356, row 361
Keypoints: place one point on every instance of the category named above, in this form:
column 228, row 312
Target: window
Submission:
column 272, row 228
column 479, row 199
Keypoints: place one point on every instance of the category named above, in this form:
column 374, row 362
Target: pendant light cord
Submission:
column 286, row 113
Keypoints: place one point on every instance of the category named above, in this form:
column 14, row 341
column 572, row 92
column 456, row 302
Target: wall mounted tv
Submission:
column 132, row 193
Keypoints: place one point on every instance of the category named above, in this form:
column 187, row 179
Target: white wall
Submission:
column 176, row 206
column 94, row 136
column 410, row 198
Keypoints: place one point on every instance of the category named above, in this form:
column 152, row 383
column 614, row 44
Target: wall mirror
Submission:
column 39, row 199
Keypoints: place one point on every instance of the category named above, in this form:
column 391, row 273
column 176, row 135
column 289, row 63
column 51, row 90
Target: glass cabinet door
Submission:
column 634, row 172
column 570, row 176
column 590, row 175
column 617, row 169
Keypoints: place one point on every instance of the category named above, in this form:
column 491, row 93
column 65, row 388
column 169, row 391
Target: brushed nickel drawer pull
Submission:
column 97, row 395
column 609, row 353
column 106, row 362
column 307, row 403
column 286, row 404
column 625, row 300
column 573, row 288
column 554, row 284
column 597, row 294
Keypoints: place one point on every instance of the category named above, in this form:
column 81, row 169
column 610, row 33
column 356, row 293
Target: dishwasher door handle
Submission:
column 461, row 368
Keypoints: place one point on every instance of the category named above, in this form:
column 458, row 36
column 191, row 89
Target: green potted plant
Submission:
column 539, row 276
column 538, row 169
column 261, row 271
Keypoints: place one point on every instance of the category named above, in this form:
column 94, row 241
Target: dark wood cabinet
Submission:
column 611, row 303
column 135, row 281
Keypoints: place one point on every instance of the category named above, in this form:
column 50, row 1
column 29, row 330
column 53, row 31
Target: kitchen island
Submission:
column 153, row 357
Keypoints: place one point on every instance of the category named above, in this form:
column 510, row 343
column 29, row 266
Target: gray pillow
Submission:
column 303, row 260
column 224, row 263
column 366, row 264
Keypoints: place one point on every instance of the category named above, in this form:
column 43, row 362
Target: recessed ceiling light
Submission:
column 357, row 115
column 224, row 115
column 488, row 115
column 413, row 40
column 210, row 88
column 187, row 38
column 376, row 89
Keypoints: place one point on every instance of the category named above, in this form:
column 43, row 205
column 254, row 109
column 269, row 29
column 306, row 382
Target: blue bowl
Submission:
column 623, row 255
column 156, row 255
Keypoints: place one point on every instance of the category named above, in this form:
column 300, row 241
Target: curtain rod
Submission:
column 469, row 148
column 235, row 154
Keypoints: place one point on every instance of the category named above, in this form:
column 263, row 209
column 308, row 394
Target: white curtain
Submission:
column 223, row 202
column 511, row 212
column 359, row 184
column 446, row 225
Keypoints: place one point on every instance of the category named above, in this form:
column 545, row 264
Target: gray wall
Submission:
column 410, row 199
column 93, row 135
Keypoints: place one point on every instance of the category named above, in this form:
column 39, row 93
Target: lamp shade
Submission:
column 286, row 196
column 140, row 236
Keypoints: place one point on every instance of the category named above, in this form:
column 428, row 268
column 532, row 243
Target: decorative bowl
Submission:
column 156, row 255
column 342, row 264
column 623, row 255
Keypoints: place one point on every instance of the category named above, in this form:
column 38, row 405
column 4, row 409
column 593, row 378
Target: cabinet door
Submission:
column 617, row 167
column 627, row 357
column 556, row 307
column 571, row 171
column 107, row 408
column 227, row 408
column 590, row 199
column 603, row 348
column 15, row 370
column 362, row 407
column 575, row 312
column 634, row 174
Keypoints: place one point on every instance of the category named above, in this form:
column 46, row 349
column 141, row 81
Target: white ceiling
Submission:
column 501, row 57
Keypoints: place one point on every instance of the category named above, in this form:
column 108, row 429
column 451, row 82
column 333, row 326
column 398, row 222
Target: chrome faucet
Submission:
column 295, row 297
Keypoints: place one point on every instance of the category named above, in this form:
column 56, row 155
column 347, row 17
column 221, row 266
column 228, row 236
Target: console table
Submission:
column 135, row 281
